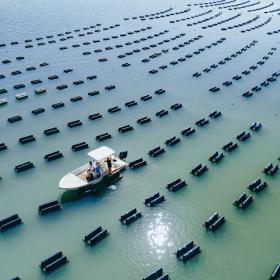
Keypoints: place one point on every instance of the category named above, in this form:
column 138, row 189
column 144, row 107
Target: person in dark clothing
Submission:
column 109, row 163
column 89, row 176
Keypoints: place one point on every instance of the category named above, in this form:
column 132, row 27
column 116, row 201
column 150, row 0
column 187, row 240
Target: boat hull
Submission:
column 68, row 182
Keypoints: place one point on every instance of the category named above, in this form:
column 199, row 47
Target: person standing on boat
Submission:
column 92, row 165
column 109, row 163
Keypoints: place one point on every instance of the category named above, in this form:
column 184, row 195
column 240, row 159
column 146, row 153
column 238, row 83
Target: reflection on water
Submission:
column 158, row 235
column 112, row 187
column 75, row 195
column 151, row 241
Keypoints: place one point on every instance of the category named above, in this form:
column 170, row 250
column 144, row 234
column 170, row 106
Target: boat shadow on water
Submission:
column 98, row 190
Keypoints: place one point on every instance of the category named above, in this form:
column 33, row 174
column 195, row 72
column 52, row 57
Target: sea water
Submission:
column 245, row 247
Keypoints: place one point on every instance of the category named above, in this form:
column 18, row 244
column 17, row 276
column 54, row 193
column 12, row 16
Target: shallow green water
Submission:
column 245, row 247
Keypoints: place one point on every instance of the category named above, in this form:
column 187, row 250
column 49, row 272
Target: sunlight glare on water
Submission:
column 158, row 235
column 120, row 42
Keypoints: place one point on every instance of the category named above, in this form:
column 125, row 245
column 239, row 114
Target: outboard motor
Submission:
column 123, row 155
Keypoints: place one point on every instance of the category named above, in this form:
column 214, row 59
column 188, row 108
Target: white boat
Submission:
column 40, row 91
column 21, row 96
column 3, row 101
column 76, row 179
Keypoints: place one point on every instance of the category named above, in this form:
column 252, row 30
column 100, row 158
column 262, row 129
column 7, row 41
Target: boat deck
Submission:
column 82, row 175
